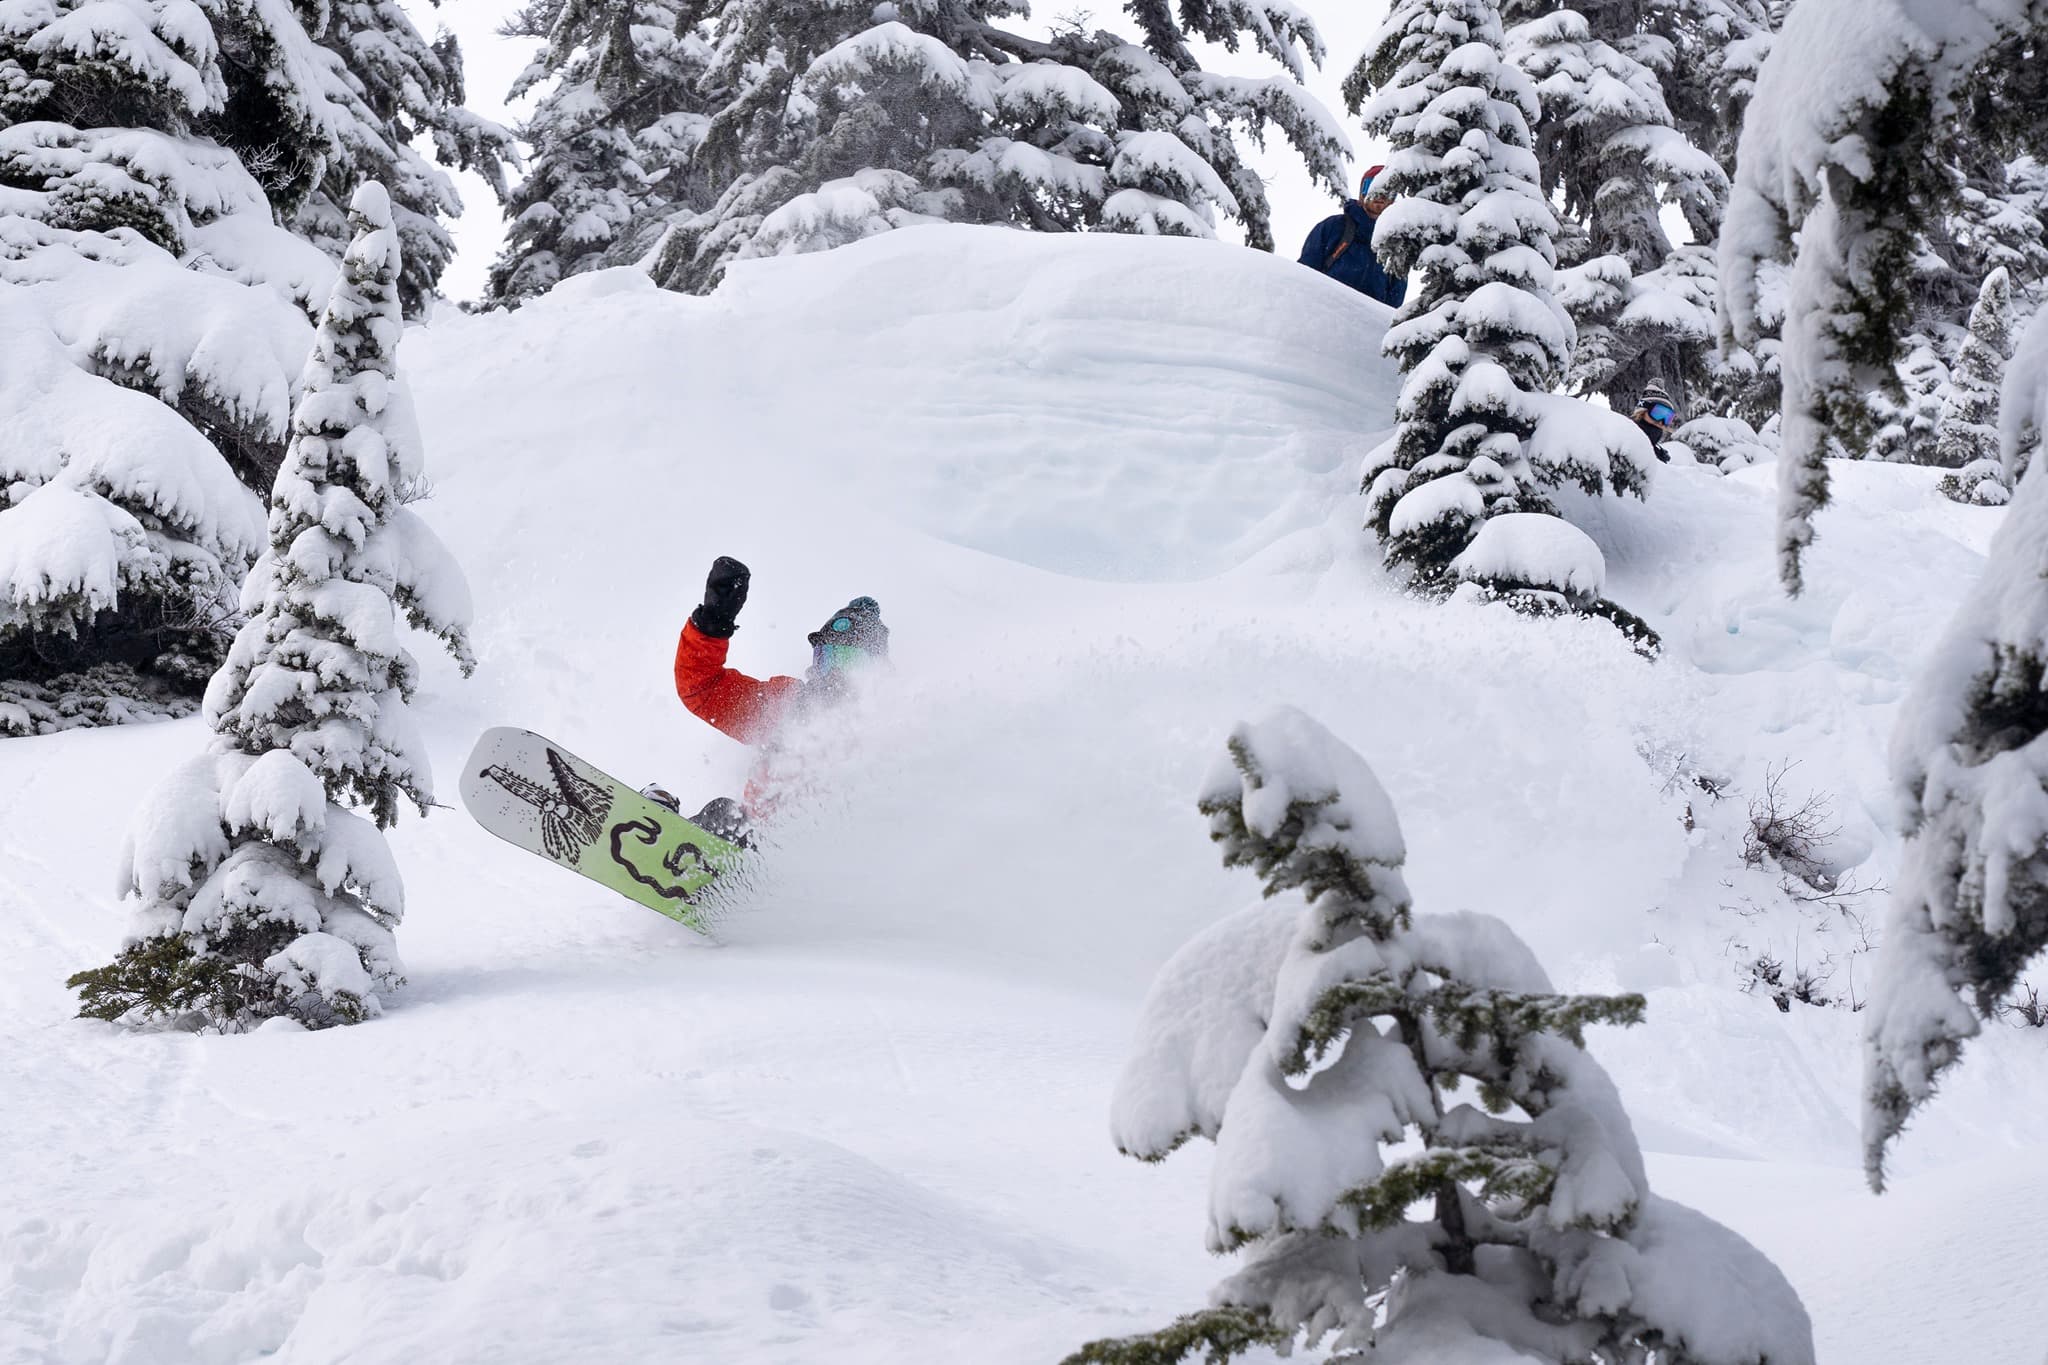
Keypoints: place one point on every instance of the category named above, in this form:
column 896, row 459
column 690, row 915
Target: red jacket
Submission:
column 748, row 709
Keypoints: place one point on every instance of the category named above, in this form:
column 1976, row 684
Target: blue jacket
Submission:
column 1358, row 266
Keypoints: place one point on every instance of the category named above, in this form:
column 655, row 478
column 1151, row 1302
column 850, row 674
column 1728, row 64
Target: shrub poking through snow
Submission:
column 1970, row 765
column 1723, row 443
column 1981, row 482
column 1308, row 1034
column 257, row 893
column 1790, row 834
column 2026, row 1008
column 1481, row 340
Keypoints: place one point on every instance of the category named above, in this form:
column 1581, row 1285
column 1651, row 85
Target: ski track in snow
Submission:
column 1105, row 491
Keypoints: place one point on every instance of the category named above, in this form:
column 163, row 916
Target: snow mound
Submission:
column 1537, row 550
column 1101, row 405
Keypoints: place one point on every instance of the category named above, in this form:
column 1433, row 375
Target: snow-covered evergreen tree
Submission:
column 1968, row 431
column 1611, row 155
column 154, row 316
column 2009, row 225
column 1707, row 64
column 1481, row 338
column 1971, row 768
column 1852, row 146
column 257, row 892
column 1309, row 1034
column 1906, row 413
column 834, row 122
column 613, row 138
column 148, row 330
column 408, row 87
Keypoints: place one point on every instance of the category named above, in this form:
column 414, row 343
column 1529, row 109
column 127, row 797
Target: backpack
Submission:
column 1350, row 236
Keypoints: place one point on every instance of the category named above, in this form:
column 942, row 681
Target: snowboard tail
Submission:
column 530, row 791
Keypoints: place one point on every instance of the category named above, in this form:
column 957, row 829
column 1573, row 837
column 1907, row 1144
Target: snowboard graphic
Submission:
column 532, row 792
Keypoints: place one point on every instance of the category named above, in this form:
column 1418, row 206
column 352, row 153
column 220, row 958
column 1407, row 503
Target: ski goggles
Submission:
column 1663, row 414
column 829, row 656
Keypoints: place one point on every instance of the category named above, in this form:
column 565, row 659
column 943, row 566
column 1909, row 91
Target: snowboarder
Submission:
column 1656, row 416
column 753, row 710
column 1341, row 246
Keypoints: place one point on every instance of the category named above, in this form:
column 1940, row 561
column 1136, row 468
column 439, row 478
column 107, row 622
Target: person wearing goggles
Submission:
column 1341, row 245
column 1657, row 417
column 752, row 710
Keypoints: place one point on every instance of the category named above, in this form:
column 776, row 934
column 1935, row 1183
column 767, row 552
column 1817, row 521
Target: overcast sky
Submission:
column 491, row 63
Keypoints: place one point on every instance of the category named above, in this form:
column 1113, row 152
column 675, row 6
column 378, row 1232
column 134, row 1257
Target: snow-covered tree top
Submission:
column 1302, row 809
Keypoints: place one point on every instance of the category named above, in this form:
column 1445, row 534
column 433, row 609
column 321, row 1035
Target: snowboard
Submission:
column 530, row 791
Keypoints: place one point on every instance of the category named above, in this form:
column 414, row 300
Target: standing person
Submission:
column 1341, row 246
column 1656, row 416
column 754, row 710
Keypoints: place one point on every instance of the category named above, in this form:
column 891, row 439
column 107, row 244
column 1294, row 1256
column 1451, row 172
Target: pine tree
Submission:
column 258, row 893
column 831, row 125
column 1164, row 98
column 155, row 315
column 1969, row 413
column 1707, row 54
column 1611, row 154
column 146, row 311
column 408, row 87
column 1311, row 1033
column 2007, row 223
column 613, row 139
column 1481, row 339
column 1847, row 115
column 1907, row 411
column 1707, row 67
column 1970, row 912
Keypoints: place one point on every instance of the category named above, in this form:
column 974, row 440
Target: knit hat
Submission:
column 858, row 623
column 1653, row 394
column 1365, row 182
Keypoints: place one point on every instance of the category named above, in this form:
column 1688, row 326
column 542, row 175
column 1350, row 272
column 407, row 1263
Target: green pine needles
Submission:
column 1218, row 1334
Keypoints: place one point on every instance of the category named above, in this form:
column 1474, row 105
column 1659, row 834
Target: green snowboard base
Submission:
column 532, row 792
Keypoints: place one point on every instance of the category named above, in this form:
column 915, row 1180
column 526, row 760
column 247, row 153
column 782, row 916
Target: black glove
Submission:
column 725, row 592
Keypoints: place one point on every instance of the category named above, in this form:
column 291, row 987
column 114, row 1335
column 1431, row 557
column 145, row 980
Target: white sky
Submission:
column 491, row 63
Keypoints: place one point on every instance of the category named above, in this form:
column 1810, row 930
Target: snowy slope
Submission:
column 1105, row 490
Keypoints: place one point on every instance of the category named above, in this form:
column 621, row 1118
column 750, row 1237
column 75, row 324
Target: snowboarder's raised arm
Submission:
column 743, row 707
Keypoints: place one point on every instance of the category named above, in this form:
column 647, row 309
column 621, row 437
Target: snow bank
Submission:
column 1095, row 405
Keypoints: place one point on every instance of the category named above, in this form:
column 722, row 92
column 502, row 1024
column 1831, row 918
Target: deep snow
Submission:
column 1106, row 491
